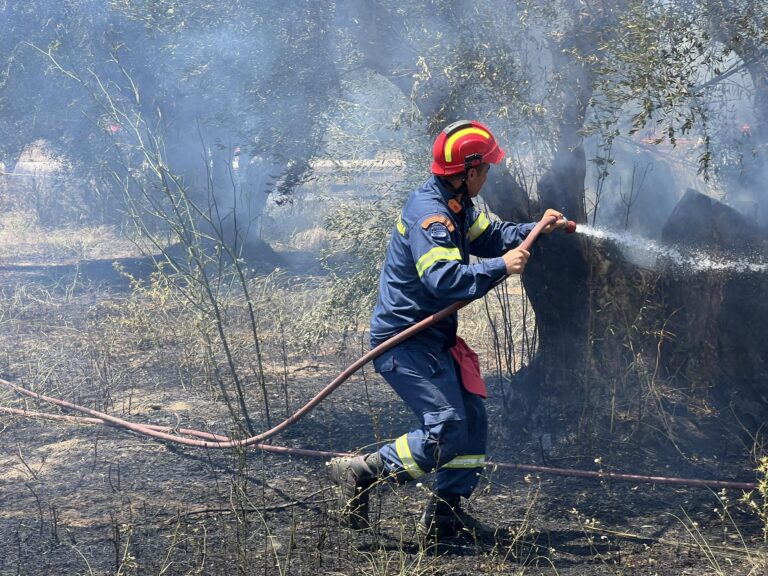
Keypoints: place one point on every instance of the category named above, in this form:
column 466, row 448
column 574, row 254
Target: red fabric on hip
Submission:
column 469, row 364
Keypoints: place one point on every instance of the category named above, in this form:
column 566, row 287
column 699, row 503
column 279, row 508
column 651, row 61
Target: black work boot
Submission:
column 444, row 519
column 354, row 477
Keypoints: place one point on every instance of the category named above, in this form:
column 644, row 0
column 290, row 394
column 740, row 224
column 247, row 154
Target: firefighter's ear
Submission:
column 478, row 171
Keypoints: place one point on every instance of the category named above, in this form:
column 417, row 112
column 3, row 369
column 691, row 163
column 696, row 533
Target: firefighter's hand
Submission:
column 559, row 223
column 516, row 260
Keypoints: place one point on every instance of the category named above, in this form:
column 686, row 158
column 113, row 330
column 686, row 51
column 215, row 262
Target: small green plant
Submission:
column 723, row 556
column 125, row 558
column 359, row 233
column 758, row 503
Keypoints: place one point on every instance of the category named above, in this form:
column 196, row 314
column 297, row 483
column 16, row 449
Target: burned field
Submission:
column 196, row 200
column 95, row 499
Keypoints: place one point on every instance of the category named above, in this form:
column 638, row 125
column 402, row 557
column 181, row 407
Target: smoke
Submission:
column 640, row 190
column 267, row 84
column 653, row 255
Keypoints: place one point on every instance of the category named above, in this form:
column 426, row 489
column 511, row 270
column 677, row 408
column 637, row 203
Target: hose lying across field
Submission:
column 210, row 440
column 217, row 441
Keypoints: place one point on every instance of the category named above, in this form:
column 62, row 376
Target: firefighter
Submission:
column 428, row 268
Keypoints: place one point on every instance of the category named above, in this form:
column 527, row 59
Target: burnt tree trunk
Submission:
column 669, row 355
column 555, row 281
column 556, row 277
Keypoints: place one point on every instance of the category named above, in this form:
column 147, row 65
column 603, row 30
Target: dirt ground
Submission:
column 92, row 499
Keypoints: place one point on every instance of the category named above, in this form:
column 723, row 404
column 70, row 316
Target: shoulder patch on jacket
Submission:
column 438, row 219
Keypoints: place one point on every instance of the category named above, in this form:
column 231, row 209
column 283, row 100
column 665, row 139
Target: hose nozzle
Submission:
column 570, row 226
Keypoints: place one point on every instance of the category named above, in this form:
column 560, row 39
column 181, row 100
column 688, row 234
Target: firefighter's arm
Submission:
column 489, row 239
column 440, row 266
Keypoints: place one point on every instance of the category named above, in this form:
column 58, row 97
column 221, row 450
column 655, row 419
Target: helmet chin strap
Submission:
column 456, row 191
column 461, row 190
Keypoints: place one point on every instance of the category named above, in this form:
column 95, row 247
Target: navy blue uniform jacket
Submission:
column 428, row 268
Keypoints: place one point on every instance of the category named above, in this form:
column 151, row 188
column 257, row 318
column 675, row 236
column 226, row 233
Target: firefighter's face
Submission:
column 476, row 178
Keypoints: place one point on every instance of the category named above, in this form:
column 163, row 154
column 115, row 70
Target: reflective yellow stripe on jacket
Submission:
column 437, row 254
column 478, row 226
column 404, row 453
column 400, row 226
column 466, row 461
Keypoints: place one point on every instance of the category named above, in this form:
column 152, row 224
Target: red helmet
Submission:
column 463, row 145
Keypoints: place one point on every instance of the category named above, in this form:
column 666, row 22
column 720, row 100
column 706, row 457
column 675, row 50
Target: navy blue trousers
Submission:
column 453, row 430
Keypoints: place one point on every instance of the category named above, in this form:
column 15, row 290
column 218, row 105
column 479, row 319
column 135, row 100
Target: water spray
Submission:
column 646, row 252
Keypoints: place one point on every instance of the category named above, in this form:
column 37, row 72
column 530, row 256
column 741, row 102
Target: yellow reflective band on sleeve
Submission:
column 467, row 461
column 478, row 226
column 437, row 254
column 400, row 225
column 404, row 452
column 459, row 134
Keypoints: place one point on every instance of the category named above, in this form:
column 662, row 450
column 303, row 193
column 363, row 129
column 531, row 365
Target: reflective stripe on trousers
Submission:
column 453, row 423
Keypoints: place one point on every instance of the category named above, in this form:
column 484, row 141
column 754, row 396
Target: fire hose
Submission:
column 211, row 440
